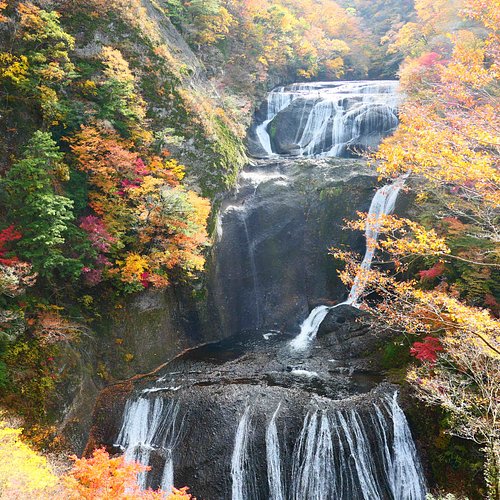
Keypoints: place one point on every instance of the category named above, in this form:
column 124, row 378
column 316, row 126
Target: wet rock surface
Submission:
column 270, row 261
column 214, row 383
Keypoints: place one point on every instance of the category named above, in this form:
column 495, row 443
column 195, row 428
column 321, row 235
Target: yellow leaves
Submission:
column 335, row 66
column 401, row 237
column 22, row 471
column 13, row 68
column 201, row 210
column 133, row 268
column 421, row 241
column 116, row 67
column 214, row 27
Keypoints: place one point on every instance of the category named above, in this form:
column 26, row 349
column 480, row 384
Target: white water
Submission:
column 403, row 471
column 273, row 454
column 277, row 100
column 339, row 455
column 336, row 114
column 313, row 465
column 242, row 482
column 383, row 203
column 150, row 425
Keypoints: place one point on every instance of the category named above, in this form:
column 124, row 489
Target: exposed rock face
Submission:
column 270, row 262
column 268, row 268
column 254, row 416
column 144, row 332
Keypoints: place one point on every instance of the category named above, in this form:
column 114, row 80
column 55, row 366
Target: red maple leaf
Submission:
column 427, row 350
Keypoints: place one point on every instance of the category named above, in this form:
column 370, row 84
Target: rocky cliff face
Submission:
column 216, row 415
column 270, row 260
column 268, row 267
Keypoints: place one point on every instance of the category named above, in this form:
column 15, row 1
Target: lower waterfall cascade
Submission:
column 271, row 411
column 365, row 453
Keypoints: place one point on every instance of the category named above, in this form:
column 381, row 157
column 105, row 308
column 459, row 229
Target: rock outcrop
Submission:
column 209, row 391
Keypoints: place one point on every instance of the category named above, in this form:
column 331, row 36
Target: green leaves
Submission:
column 42, row 215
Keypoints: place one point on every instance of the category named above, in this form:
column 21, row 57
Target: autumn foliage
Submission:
column 101, row 477
column 445, row 267
column 24, row 473
column 145, row 224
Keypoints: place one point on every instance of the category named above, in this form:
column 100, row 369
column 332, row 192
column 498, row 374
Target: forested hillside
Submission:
column 122, row 125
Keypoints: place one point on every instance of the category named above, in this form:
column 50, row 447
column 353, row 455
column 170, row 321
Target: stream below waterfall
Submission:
column 292, row 403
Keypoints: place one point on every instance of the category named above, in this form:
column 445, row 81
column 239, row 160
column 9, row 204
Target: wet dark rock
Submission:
column 270, row 261
column 288, row 125
column 214, row 383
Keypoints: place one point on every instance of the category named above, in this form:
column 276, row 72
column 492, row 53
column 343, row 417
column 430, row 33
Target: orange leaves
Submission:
column 3, row 6
column 154, row 223
column 103, row 478
column 50, row 327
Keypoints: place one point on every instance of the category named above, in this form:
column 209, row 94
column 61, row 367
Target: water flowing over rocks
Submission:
column 207, row 416
column 270, row 259
column 250, row 417
column 325, row 118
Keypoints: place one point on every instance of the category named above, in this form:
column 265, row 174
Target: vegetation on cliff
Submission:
column 114, row 132
column 443, row 289
column 117, row 134
column 23, row 473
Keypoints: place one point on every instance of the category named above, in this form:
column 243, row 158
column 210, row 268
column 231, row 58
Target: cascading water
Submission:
column 277, row 100
column 241, row 470
column 150, row 426
column 338, row 455
column 383, row 203
column 329, row 117
column 273, row 453
column 261, row 426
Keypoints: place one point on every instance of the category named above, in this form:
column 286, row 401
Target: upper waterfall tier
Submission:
column 325, row 118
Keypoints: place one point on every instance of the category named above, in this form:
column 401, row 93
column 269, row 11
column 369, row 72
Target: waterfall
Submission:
column 274, row 460
column 343, row 455
column 403, row 471
column 243, row 481
column 276, row 101
column 333, row 115
column 339, row 454
column 310, row 327
column 383, row 203
column 150, row 426
column 253, row 268
column 313, row 465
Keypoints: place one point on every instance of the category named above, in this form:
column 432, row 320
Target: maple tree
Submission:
column 127, row 191
column 101, row 477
